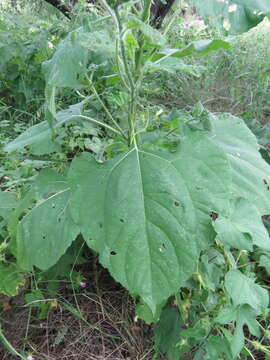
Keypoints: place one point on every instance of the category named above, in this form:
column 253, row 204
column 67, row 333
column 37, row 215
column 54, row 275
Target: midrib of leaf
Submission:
column 144, row 210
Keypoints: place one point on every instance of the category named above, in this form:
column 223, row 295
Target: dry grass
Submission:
column 106, row 331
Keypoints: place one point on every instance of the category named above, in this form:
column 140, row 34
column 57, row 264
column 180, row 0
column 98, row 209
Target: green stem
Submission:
column 146, row 11
column 105, row 107
column 99, row 123
column 179, row 304
column 9, row 347
column 145, row 18
column 132, row 88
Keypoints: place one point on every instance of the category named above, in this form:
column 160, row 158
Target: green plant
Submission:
column 172, row 207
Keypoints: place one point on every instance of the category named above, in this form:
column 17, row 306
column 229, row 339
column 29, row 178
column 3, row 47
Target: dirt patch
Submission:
column 96, row 323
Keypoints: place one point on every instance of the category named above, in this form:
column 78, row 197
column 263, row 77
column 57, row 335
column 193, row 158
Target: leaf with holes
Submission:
column 45, row 233
column 140, row 211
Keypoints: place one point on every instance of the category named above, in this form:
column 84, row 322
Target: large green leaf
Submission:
column 242, row 228
column 45, row 232
column 251, row 174
column 243, row 291
column 141, row 212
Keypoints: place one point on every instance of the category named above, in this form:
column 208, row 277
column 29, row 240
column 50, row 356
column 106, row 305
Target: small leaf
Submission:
column 243, row 228
column 216, row 347
column 244, row 291
column 265, row 263
column 144, row 312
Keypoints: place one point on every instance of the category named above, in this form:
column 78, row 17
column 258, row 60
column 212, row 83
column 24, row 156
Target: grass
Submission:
column 236, row 81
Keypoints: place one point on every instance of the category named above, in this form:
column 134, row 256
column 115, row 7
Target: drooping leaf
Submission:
column 47, row 182
column 196, row 47
column 173, row 65
column 141, row 212
column 11, row 279
column 250, row 173
column 39, row 136
column 68, row 66
column 47, row 230
column 242, row 228
column 243, row 291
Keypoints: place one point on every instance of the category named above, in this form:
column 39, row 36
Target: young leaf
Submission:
column 242, row 315
column 216, row 347
column 243, row 291
column 172, row 65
